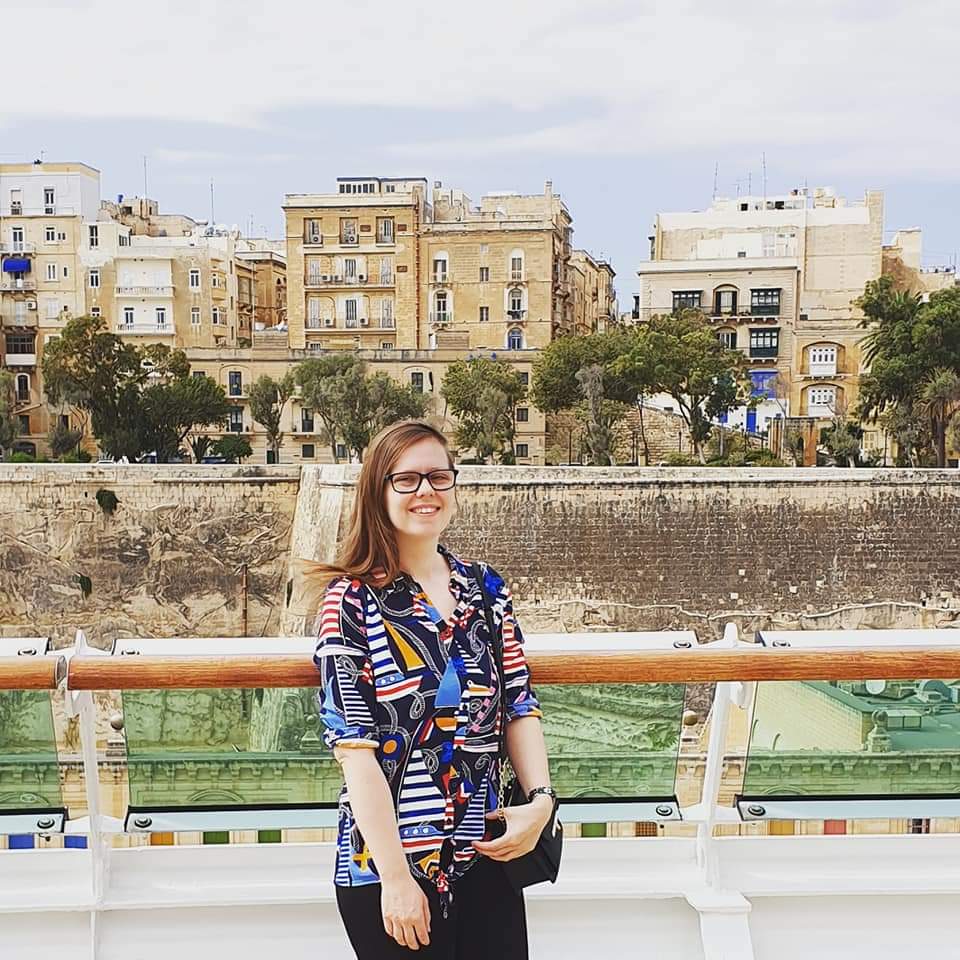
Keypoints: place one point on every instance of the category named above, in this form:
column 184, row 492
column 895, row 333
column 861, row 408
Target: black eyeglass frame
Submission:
column 423, row 476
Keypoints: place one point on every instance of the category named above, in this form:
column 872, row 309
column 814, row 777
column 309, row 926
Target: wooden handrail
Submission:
column 698, row 664
column 32, row 673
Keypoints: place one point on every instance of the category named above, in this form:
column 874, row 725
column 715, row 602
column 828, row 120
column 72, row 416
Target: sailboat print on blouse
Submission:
column 390, row 682
column 419, row 803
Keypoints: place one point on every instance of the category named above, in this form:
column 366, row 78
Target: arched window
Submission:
column 515, row 339
column 724, row 301
column 23, row 387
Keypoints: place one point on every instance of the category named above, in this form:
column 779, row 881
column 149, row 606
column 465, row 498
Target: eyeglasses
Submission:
column 409, row 480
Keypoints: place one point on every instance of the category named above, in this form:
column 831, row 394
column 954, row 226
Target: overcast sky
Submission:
column 628, row 107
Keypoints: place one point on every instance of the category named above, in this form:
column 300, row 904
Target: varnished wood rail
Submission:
column 31, row 673
column 697, row 664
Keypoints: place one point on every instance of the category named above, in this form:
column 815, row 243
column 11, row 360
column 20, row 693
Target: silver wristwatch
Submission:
column 546, row 791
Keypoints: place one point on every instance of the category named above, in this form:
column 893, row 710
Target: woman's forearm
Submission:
column 528, row 752
column 373, row 811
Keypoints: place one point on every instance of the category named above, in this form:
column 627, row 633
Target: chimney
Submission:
column 548, row 189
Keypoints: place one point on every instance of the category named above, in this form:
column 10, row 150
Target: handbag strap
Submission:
column 496, row 638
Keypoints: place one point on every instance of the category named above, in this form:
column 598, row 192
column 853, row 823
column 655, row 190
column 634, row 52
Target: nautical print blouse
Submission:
column 424, row 692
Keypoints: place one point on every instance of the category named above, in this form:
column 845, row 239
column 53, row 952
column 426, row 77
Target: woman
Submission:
column 410, row 702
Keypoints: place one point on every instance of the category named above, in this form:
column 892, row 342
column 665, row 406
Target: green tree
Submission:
column 200, row 447
column 912, row 348
column 268, row 397
column 320, row 385
column 364, row 405
column 138, row 399
column 939, row 401
column 62, row 440
column 483, row 394
column 688, row 362
column 233, row 447
column 9, row 424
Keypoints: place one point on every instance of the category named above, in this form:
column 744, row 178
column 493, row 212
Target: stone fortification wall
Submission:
column 584, row 548
column 186, row 551
column 661, row 548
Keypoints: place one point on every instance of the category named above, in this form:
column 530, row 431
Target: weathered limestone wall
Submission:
column 625, row 548
column 187, row 551
column 618, row 548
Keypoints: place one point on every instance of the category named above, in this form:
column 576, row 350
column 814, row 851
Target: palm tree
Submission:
column 939, row 400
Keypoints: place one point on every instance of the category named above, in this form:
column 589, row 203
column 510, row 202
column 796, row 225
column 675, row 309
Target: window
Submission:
column 515, row 304
column 765, row 302
column 440, row 303
column 23, row 387
column 384, row 229
column 823, row 355
column 94, row 279
column 194, row 279
column 350, row 313
column 49, row 235
column 64, row 421
column 440, row 272
column 386, row 270
column 306, row 420
column 214, row 279
column 313, row 272
column 484, row 314
column 728, row 339
column 66, row 272
column 51, row 271
column 123, row 240
column 523, row 414
column 386, row 314
column 24, row 420
column 235, row 421
column 161, row 315
column 516, row 266
column 313, row 313
column 523, row 451
column 350, row 269
column 341, row 451
column 52, row 309
column 217, row 316
column 307, row 451
column 128, row 316
column 198, row 374
column 21, row 343
column 386, row 344
column 822, row 397
column 235, row 383
column 49, row 199
column 764, row 343
column 16, row 239
column 311, row 231
column 724, row 302
column 525, row 378
column 348, row 230
column 93, row 235
column 416, row 381
column 686, row 300
column 195, row 316
column 515, row 340
column 484, row 274
column 94, row 311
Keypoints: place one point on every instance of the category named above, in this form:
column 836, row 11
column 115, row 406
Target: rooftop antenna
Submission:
column 763, row 162
column 212, row 218
column 145, row 191
column 716, row 173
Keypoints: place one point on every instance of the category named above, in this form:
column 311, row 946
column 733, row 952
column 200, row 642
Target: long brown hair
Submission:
column 368, row 551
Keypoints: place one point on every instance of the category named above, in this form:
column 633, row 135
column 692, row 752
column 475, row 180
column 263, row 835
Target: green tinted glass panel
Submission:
column 216, row 836
column 612, row 740
column 29, row 778
column 855, row 739
column 269, row 836
column 190, row 749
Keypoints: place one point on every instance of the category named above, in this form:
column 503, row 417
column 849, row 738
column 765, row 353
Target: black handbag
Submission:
column 543, row 861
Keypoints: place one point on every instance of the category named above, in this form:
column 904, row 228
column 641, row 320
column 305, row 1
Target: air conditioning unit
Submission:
column 325, row 277
column 362, row 277
column 328, row 322
column 364, row 322
column 337, row 278
column 315, row 238
column 31, row 304
column 49, row 210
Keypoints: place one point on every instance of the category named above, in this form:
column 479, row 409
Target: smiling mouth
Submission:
column 425, row 511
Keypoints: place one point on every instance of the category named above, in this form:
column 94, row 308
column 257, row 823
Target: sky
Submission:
column 629, row 108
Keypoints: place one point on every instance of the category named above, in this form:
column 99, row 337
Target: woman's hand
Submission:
column 406, row 911
column 525, row 823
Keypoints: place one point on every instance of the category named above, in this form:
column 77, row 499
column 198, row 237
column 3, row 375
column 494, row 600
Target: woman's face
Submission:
column 425, row 512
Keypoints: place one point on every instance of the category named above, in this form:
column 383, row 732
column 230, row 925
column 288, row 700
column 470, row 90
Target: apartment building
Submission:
column 44, row 210
column 778, row 277
column 594, row 297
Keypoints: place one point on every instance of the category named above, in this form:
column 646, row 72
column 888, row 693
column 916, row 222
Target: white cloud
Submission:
column 853, row 81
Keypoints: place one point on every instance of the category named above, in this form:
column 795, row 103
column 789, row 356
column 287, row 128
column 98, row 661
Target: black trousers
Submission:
column 487, row 919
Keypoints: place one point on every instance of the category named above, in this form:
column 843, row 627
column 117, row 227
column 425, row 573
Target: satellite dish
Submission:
column 876, row 686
